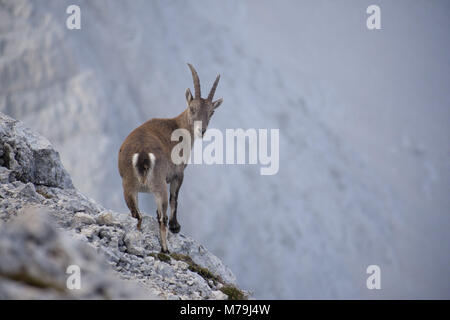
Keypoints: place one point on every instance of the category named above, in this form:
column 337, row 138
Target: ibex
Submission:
column 145, row 163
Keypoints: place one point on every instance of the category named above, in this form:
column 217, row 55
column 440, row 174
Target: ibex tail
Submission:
column 143, row 163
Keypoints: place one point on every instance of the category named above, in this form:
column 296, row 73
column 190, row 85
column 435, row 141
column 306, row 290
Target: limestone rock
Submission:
column 35, row 261
column 29, row 156
column 34, row 254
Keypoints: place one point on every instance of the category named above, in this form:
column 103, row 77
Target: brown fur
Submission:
column 154, row 136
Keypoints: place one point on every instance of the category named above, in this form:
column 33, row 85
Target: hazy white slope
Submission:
column 388, row 99
column 308, row 232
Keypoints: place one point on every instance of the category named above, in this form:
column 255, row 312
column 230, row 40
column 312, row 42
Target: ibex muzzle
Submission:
column 145, row 163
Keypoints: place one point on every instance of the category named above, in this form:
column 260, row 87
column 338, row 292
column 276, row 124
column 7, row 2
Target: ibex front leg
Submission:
column 161, row 203
column 175, row 185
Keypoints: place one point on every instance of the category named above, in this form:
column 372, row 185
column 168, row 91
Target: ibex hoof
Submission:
column 165, row 251
column 174, row 227
column 139, row 224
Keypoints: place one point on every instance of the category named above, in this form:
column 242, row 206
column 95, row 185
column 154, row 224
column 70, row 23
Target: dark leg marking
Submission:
column 175, row 185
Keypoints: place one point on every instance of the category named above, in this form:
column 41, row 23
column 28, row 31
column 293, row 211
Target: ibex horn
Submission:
column 213, row 89
column 196, row 82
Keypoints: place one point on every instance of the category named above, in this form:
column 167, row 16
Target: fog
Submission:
column 364, row 171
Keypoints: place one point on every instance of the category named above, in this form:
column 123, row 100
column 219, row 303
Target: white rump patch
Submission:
column 152, row 159
column 143, row 179
column 135, row 159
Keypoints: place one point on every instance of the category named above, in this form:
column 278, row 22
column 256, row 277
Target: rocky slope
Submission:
column 36, row 191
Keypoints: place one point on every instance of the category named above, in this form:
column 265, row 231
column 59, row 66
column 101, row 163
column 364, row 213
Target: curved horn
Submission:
column 213, row 89
column 196, row 82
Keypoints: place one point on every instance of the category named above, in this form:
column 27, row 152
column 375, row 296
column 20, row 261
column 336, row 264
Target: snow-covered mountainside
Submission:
column 361, row 181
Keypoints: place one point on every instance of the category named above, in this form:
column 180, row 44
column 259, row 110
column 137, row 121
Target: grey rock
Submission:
column 5, row 175
column 81, row 218
column 89, row 231
column 106, row 218
column 218, row 295
column 27, row 191
column 86, row 234
column 35, row 261
column 30, row 156
column 185, row 245
column 134, row 243
column 165, row 270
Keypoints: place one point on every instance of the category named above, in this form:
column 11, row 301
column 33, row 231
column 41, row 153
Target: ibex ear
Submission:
column 217, row 103
column 189, row 97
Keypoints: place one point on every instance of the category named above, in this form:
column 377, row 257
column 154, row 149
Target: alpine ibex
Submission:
column 145, row 163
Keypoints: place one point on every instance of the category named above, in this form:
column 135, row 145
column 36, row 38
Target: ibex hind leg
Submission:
column 161, row 203
column 131, row 200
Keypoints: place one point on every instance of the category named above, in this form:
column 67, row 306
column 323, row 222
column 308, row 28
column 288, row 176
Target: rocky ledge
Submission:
column 46, row 225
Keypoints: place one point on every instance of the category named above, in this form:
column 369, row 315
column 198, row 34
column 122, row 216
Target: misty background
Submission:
column 363, row 115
